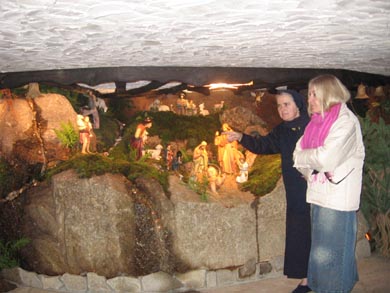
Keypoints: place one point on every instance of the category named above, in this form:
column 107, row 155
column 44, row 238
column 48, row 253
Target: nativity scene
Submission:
column 165, row 191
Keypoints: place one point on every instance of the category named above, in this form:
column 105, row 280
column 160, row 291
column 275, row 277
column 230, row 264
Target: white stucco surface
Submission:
column 63, row 34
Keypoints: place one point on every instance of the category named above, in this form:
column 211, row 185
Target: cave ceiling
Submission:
column 180, row 44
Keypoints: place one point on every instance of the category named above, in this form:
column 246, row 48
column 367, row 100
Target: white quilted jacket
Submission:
column 343, row 155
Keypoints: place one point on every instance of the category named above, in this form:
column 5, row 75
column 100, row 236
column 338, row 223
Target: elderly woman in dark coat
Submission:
column 282, row 139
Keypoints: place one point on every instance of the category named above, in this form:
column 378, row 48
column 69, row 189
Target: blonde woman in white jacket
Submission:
column 330, row 156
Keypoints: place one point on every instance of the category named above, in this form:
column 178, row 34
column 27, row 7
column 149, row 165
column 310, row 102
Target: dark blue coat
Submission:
column 282, row 139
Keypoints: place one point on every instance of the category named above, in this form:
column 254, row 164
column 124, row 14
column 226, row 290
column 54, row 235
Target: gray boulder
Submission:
column 81, row 225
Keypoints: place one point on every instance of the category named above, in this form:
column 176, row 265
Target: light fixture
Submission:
column 214, row 86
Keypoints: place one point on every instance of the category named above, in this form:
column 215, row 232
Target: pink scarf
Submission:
column 318, row 128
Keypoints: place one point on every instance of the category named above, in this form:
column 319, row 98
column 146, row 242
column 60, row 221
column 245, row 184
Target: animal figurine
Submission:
column 155, row 105
column 258, row 97
column 101, row 104
column 163, row 108
column 219, row 107
column 202, row 110
column 155, row 153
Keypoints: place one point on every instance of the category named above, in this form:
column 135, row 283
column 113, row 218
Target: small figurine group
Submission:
column 139, row 139
column 171, row 160
column 202, row 169
column 229, row 157
column 231, row 161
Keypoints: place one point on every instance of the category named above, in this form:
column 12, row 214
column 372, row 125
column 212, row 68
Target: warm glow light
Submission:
column 214, row 86
column 368, row 236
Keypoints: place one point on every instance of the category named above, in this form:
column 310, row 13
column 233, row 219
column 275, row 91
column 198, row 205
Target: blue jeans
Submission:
column 332, row 263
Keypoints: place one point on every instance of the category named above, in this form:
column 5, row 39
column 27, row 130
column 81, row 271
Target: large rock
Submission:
column 209, row 235
column 55, row 111
column 27, row 128
column 240, row 118
column 81, row 225
column 15, row 119
column 111, row 227
column 225, row 232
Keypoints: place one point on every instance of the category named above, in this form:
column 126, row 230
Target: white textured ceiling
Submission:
column 65, row 34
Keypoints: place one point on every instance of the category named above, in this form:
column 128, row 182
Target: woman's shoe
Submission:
column 302, row 289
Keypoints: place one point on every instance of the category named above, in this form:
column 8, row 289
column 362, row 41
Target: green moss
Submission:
column 20, row 91
column 122, row 151
column 87, row 166
column 9, row 252
column 170, row 127
column 107, row 133
column 264, row 175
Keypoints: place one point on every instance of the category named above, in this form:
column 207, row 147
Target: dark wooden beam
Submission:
column 120, row 87
column 173, row 90
column 200, row 89
column 196, row 76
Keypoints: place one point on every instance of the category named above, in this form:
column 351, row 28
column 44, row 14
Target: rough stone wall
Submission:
column 81, row 225
column 84, row 237
column 91, row 225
